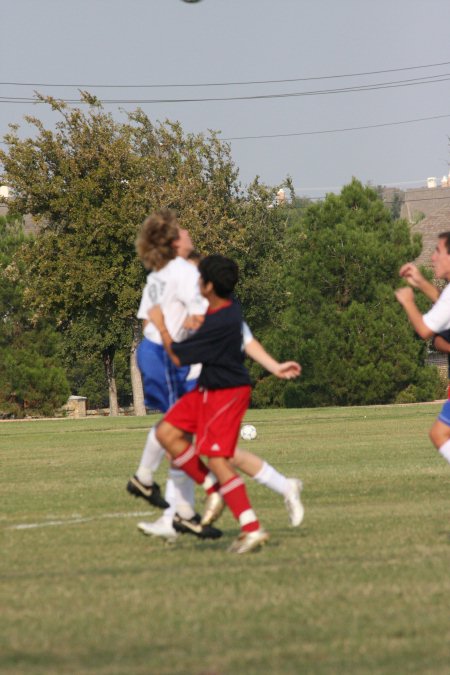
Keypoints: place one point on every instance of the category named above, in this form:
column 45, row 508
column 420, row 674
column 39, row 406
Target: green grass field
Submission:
column 363, row 586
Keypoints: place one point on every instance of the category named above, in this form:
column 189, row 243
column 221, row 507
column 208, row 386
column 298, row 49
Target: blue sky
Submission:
column 170, row 42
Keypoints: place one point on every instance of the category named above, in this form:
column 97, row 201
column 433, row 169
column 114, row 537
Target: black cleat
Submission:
column 151, row 493
column 195, row 527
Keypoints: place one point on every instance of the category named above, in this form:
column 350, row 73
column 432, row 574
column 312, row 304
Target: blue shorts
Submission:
column 163, row 382
column 444, row 415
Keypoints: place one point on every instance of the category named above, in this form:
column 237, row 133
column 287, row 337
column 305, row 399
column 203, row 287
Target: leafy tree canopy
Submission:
column 342, row 321
column 31, row 377
column 92, row 180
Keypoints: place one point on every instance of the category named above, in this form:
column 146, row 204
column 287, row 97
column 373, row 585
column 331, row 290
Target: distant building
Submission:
column 429, row 228
column 422, row 202
column 29, row 224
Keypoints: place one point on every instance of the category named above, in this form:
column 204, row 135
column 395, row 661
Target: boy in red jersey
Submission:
column 214, row 410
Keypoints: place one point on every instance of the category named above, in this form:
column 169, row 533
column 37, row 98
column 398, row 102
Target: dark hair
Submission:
column 222, row 272
column 446, row 237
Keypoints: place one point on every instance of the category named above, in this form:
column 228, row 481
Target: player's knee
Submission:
column 163, row 433
column 168, row 434
column 439, row 434
column 234, row 462
column 432, row 436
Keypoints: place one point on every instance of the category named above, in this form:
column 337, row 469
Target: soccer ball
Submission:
column 248, row 432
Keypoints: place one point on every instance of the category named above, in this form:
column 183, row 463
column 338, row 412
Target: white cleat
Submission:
column 249, row 541
column 293, row 502
column 160, row 528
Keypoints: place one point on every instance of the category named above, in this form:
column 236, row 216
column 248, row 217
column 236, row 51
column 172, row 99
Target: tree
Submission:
column 31, row 377
column 90, row 183
column 343, row 322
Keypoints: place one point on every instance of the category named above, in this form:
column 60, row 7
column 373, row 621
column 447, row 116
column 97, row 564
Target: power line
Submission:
column 335, row 131
column 225, row 84
column 387, row 201
column 329, row 131
column 432, row 79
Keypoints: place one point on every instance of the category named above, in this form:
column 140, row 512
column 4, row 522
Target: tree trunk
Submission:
column 108, row 360
column 136, row 380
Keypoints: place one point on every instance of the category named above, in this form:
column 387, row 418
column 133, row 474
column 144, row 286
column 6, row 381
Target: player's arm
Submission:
column 412, row 275
column 405, row 296
column 194, row 321
column 156, row 316
column 285, row 371
column 441, row 344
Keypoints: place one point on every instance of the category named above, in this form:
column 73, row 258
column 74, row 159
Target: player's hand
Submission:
column 404, row 295
column 410, row 273
column 156, row 316
column 288, row 370
column 194, row 321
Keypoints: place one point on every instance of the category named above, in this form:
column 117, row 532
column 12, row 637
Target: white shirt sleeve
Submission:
column 438, row 318
column 247, row 335
column 145, row 304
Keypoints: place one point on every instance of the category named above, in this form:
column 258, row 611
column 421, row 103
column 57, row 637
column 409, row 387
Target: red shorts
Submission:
column 213, row 416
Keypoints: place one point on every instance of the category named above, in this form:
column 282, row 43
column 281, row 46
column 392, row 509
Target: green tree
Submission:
column 31, row 377
column 343, row 322
column 90, row 183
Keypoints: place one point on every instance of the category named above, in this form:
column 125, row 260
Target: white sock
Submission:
column 180, row 495
column 272, row 479
column 151, row 458
column 445, row 450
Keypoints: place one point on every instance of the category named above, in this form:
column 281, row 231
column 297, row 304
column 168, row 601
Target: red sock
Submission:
column 235, row 497
column 190, row 463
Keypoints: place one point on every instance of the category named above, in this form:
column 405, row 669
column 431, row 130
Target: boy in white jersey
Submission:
column 433, row 322
column 174, row 285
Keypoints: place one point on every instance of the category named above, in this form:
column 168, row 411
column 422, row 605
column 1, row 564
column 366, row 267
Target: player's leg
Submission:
column 142, row 483
column 265, row 474
column 178, row 443
column 234, row 493
column 440, row 432
column 179, row 492
column 151, row 365
column 185, row 458
column 163, row 385
column 180, row 517
column 220, row 416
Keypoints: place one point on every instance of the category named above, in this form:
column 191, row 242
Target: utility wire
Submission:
column 335, row 131
column 328, row 131
column 444, row 77
column 224, row 84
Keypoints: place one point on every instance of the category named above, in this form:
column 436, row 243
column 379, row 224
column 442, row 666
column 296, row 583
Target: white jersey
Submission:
column 438, row 318
column 175, row 288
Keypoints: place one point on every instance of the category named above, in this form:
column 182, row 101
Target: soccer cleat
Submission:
column 249, row 541
column 160, row 528
column 151, row 493
column 293, row 502
column 194, row 526
column 214, row 506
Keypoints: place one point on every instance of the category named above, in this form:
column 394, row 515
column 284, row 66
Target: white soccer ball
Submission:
column 248, row 432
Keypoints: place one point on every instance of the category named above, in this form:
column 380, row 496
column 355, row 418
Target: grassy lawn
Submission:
column 363, row 586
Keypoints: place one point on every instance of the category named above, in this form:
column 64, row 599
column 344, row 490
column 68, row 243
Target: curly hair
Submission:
column 154, row 243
